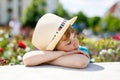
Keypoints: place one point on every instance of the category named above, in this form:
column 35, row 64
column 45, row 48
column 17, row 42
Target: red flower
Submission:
column 22, row 45
column 1, row 49
column 116, row 37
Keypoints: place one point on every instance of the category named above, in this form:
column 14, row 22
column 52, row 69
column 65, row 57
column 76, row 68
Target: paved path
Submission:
column 96, row 71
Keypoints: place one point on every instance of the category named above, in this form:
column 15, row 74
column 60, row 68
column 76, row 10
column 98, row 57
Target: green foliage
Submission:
column 81, row 18
column 94, row 21
column 61, row 12
column 34, row 11
column 112, row 24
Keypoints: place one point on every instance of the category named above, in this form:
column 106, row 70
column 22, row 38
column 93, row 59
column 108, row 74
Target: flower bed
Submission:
column 102, row 50
column 12, row 48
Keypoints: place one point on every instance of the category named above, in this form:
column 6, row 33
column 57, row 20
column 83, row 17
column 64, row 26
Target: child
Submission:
column 57, row 43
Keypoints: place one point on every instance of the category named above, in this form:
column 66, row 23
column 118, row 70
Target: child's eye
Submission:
column 69, row 43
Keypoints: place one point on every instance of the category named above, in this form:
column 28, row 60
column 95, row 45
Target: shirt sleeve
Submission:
column 84, row 49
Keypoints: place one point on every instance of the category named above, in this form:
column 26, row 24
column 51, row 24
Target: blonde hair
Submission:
column 68, row 32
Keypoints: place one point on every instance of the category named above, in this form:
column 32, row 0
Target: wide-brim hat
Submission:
column 49, row 30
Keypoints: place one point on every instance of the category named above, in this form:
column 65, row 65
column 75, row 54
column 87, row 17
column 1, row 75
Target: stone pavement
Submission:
column 96, row 71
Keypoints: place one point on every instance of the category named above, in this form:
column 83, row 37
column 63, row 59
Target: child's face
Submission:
column 71, row 44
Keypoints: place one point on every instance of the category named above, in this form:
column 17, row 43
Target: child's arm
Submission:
column 38, row 57
column 74, row 60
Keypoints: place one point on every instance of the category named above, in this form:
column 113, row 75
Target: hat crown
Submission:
column 45, row 30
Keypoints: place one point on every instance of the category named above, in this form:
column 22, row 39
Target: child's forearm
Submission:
column 77, row 59
column 38, row 57
column 73, row 61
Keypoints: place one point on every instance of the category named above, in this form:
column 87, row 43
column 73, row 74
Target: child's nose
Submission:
column 75, row 43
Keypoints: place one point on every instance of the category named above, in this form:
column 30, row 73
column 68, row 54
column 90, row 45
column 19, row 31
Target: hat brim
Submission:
column 54, row 42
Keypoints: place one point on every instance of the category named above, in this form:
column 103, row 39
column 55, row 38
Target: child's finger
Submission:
column 81, row 52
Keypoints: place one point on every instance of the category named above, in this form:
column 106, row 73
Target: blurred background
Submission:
column 98, row 26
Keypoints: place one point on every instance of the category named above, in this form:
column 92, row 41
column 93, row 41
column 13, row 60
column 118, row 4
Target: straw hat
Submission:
column 49, row 30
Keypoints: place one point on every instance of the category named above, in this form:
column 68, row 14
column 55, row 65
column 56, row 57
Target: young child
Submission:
column 57, row 43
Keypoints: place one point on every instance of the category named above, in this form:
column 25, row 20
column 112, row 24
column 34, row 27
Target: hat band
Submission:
column 59, row 29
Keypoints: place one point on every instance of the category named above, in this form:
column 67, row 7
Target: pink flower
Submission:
column 2, row 61
column 22, row 45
